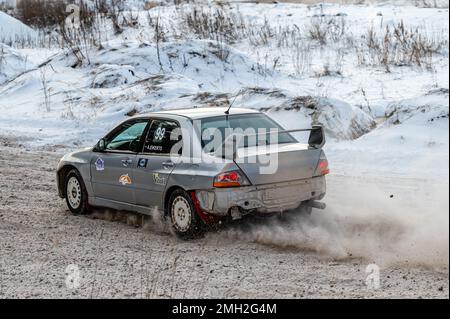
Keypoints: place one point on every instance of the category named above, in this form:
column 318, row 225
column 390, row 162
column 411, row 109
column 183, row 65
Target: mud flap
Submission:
column 208, row 219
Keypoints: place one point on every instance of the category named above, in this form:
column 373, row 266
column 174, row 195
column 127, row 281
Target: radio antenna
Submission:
column 234, row 99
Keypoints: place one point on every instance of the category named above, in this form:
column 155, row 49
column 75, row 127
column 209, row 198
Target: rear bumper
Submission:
column 268, row 198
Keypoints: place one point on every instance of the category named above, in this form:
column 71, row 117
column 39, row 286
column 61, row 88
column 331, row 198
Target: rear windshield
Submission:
column 246, row 125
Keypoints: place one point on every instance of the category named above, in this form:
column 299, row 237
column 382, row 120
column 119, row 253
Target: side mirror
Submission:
column 101, row 145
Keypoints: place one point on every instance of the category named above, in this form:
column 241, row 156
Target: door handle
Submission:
column 127, row 162
column 168, row 164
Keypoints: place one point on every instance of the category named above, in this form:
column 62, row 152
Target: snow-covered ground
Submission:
column 12, row 30
column 380, row 119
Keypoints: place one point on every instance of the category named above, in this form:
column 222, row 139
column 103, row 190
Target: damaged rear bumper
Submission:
column 269, row 198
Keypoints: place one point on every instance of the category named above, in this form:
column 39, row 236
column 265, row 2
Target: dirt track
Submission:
column 39, row 238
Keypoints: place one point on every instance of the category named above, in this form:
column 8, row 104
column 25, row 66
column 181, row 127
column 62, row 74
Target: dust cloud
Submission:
column 155, row 222
column 386, row 225
column 387, row 222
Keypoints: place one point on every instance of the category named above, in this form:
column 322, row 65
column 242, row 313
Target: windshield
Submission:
column 221, row 127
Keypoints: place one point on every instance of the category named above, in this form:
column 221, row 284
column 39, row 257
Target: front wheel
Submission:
column 185, row 221
column 76, row 194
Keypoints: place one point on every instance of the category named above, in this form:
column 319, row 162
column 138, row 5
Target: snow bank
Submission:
column 130, row 78
column 108, row 76
column 413, row 141
column 12, row 29
column 340, row 120
column 12, row 63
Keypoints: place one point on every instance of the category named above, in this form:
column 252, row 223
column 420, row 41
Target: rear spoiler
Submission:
column 316, row 137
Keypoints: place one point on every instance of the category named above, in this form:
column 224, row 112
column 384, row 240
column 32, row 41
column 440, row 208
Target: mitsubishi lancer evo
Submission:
column 197, row 167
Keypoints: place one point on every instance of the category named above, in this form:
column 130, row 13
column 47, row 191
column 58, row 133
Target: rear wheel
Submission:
column 185, row 221
column 76, row 194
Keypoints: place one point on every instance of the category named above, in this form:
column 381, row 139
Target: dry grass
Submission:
column 398, row 45
column 392, row 46
column 401, row 46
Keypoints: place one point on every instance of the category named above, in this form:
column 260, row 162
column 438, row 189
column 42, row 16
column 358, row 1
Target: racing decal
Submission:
column 142, row 163
column 159, row 133
column 100, row 164
column 157, row 148
column 125, row 180
column 159, row 179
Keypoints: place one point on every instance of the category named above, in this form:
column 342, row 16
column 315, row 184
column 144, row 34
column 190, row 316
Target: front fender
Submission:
column 79, row 160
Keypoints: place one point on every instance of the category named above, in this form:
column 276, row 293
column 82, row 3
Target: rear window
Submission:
column 246, row 124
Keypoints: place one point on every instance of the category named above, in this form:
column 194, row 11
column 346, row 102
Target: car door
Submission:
column 156, row 161
column 112, row 169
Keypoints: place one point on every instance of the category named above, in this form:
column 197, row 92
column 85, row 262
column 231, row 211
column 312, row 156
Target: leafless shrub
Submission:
column 402, row 46
column 44, row 84
column 89, row 34
column 78, row 41
column 318, row 31
column 130, row 19
column 69, row 102
column 220, row 49
column 328, row 71
column 102, row 6
column 262, row 66
column 371, row 38
column 391, row 46
column 150, row 5
column 214, row 23
column 6, row 7
column 325, row 29
column 258, row 35
column 159, row 36
column 364, row 94
column 2, row 57
column 302, row 58
column 41, row 13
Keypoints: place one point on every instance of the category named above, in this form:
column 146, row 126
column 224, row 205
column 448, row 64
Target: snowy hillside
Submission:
column 12, row 63
column 12, row 30
column 375, row 76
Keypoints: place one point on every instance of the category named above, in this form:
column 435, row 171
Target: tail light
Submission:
column 230, row 179
column 322, row 166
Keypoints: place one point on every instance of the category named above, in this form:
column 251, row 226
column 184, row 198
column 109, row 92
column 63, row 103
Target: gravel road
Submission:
column 119, row 255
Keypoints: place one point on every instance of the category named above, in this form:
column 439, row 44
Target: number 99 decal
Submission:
column 159, row 133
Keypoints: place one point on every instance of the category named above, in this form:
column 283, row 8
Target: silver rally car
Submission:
column 167, row 161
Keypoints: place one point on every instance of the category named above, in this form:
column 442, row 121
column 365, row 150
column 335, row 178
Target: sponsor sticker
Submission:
column 159, row 179
column 142, row 163
column 100, row 164
column 157, row 148
column 125, row 180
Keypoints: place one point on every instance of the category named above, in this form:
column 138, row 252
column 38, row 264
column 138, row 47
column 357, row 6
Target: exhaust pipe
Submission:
column 316, row 204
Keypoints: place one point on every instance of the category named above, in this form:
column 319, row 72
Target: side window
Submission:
column 163, row 137
column 127, row 137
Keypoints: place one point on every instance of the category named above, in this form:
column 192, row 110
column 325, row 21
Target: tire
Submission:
column 75, row 193
column 184, row 219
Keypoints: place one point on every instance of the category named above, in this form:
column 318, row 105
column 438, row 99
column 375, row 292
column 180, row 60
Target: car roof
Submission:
column 203, row 112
